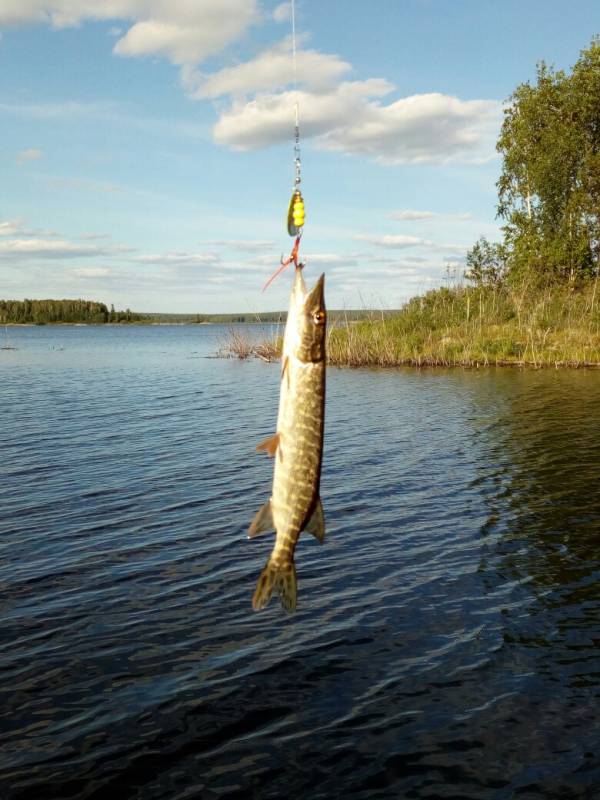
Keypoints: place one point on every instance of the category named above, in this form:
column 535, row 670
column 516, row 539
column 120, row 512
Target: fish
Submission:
column 297, row 445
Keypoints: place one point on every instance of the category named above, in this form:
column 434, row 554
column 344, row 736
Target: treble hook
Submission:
column 285, row 262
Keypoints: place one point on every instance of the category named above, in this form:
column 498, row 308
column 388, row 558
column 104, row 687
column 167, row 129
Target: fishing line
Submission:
column 297, row 159
column 296, row 214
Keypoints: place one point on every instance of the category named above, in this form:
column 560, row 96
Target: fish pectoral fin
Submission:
column 316, row 523
column 262, row 522
column 270, row 445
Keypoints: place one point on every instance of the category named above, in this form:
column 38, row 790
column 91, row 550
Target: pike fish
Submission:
column 295, row 504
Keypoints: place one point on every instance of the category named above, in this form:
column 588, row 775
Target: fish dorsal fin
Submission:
column 270, row 445
column 262, row 522
column 316, row 523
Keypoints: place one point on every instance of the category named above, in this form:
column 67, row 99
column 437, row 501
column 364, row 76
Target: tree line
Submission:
column 41, row 312
column 549, row 187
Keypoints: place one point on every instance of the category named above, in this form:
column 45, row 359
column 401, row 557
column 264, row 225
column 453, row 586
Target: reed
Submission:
column 237, row 345
column 464, row 326
column 242, row 344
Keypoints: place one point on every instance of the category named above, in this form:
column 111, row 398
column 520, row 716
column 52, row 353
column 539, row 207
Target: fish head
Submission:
column 311, row 324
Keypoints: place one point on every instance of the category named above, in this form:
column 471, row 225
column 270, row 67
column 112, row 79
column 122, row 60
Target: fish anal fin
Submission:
column 262, row 522
column 316, row 522
column 270, row 445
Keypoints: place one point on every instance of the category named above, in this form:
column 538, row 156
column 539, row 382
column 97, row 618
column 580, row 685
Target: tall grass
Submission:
column 470, row 326
column 478, row 326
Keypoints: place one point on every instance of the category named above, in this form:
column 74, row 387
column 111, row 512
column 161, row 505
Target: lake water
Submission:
column 446, row 643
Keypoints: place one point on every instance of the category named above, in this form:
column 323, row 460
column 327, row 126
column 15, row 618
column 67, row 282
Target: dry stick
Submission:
column 594, row 292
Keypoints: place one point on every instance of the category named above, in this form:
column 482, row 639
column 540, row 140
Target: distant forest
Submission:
column 40, row 312
column 43, row 312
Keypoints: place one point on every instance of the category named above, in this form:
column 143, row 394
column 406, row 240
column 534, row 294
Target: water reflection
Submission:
column 542, row 535
column 543, row 493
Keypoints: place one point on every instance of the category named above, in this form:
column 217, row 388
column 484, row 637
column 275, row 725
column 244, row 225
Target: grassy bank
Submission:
column 472, row 327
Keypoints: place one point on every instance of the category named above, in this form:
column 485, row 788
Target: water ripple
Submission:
column 446, row 639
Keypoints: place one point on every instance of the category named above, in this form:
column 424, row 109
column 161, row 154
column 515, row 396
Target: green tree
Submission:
column 486, row 263
column 549, row 189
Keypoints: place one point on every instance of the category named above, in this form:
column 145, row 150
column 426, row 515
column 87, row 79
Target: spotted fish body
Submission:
column 297, row 445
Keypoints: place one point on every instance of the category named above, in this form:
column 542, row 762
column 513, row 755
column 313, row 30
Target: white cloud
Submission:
column 247, row 246
column 47, row 248
column 329, row 259
column 184, row 31
column 413, row 216
column 310, row 260
column 351, row 119
column 450, row 252
column 187, row 31
column 29, row 244
column 283, row 12
column 421, row 128
column 11, row 226
column 16, row 227
column 269, row 260
column 267, row 118
column 272, row 69
column 371, row 272
column 379, row 258
column 67, row 112
column 60, row 111
column 82, row 183
column 179, row 259
column 91, row 272
column 459, row 249
column 65, row 13
column 29, row 154
column 396, row 241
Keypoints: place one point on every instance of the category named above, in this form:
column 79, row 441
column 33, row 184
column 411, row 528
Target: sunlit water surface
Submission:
column 446, row 643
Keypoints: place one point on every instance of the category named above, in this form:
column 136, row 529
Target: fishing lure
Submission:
column 296, row 215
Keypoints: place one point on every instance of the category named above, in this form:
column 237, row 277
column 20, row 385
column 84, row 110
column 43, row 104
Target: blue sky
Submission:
column 146, row 145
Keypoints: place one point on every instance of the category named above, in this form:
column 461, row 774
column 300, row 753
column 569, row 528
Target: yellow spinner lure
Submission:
column 295, row 217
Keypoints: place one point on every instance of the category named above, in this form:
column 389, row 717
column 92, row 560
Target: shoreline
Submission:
column 123, row 324
column 440, row 364
column 469, row 327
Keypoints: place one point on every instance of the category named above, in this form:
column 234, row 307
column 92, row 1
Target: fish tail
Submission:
column 276, row 576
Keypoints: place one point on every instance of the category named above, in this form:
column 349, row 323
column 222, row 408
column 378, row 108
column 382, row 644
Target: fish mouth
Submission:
column 316, row 296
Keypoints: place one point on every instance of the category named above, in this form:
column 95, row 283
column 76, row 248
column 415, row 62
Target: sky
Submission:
column 146, row 146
